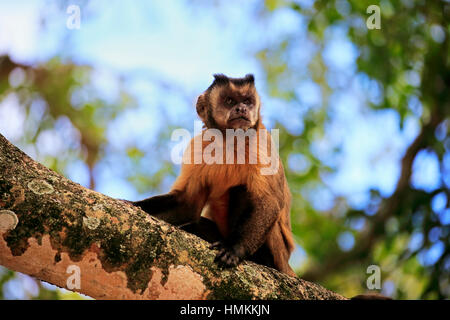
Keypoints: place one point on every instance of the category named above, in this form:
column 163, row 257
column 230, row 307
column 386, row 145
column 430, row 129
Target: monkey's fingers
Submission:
column 227, row 257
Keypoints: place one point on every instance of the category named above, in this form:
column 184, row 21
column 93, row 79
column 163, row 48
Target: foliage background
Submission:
column 363, row 115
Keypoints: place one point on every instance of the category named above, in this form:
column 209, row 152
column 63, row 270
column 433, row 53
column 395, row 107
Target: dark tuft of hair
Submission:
column 250, row 78
column 221, row 79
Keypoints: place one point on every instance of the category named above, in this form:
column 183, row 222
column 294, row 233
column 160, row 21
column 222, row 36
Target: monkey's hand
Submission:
column 227, row 256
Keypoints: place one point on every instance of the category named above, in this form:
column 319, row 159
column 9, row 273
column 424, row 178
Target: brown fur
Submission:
column 216, row 179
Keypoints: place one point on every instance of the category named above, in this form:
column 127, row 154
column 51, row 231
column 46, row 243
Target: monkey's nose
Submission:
column 241, row 108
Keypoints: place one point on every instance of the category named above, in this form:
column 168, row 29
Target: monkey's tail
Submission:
column 287, row 237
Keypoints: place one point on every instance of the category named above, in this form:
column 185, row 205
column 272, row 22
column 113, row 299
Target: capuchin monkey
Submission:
column 241, row 207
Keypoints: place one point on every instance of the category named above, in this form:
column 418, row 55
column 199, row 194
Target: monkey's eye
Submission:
column 229, row 101
column 247, row 102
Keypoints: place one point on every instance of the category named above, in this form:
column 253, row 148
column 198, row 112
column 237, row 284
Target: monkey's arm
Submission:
column 157, row 204
column 169, row 207
column 251, row 218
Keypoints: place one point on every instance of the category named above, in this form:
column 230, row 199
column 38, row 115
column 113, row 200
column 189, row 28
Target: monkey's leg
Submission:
column 251, row 218
column 170, row 207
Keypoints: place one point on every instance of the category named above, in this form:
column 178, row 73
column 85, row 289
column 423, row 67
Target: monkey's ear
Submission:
column 201, row 107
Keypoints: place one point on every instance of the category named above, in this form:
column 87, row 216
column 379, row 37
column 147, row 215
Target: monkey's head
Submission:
column 230, row 103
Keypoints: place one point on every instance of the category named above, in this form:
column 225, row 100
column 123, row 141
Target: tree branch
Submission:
column 48, row 223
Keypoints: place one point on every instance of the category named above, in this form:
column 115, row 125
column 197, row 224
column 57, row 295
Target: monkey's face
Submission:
column 231, row 104
column 236, row 108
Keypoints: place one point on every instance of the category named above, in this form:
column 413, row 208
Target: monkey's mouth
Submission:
column 240, row 118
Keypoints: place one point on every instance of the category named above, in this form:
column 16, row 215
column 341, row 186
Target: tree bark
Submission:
column 49, row 224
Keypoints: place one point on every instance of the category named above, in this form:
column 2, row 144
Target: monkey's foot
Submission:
column 226, row 256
